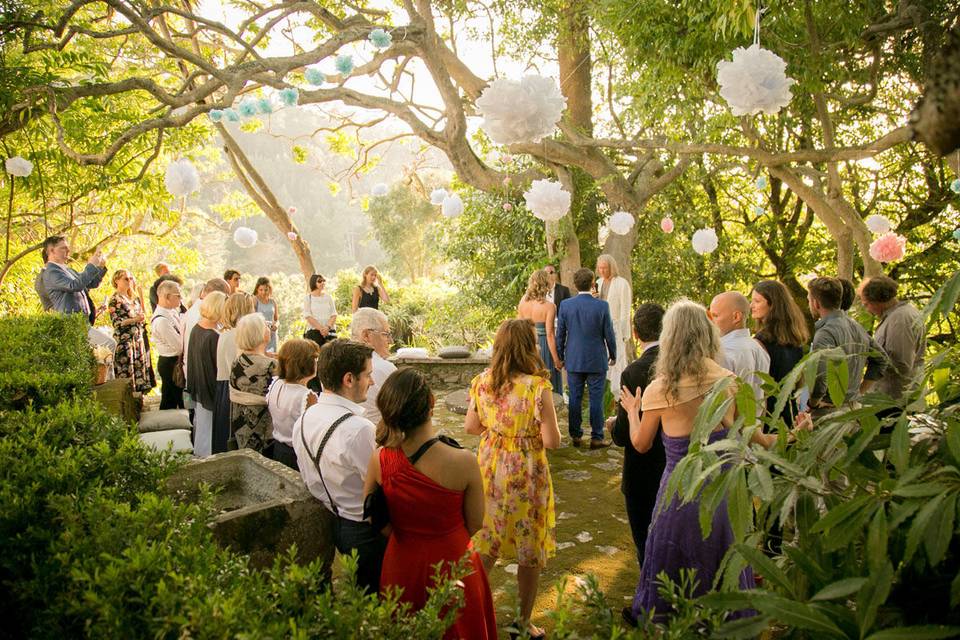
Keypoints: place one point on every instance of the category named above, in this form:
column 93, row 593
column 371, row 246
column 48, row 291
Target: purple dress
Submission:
column 675, row 541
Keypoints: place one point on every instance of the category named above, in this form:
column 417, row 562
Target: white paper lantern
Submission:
column 452, row 206
column 547, row 200
column 291, row 235
column 437, row 196
column 705, row 241
column 620, row 223
column 182, row 178
column 18, row 166
column 754, row 82
column 245, row 237
column 878, row 224
column 527, row 110
column 380, row 189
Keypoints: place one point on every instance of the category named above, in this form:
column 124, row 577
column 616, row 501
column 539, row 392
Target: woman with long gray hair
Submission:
column 615, row 289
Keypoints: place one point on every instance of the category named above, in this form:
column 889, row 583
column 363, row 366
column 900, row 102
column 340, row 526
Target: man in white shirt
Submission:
column 168, row 342
column 370, row 327
column 742, row 354
column 334, row 443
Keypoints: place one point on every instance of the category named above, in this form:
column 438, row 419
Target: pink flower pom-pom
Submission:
column 888, row 248
column 292, row 235
column 506, row 181
column 666, row 225
column 506, row 158
column 291, row 210
column 507, row 206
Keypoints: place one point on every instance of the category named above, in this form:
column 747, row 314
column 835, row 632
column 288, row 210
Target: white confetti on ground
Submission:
column 620, row 519
column 574, row 474
column 566, row 516
column 610, row 465
column 579, row 581
column 609, row 550
column 565, row 545
column 512, row 568
column 584, row 536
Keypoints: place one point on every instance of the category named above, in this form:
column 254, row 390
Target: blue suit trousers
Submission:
column 595, row 383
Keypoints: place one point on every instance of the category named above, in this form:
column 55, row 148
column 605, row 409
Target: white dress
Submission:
column 619, row 297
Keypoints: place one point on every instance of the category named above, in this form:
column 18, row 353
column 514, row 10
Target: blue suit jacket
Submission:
column 585, row 339
column 67, row 289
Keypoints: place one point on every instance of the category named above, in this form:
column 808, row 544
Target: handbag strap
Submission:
column 316, row 458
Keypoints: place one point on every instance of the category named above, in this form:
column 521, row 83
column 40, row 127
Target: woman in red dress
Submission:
column 434, row 494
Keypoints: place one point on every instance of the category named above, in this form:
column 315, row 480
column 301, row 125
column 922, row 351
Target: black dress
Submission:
column 371, row 300
column 783, row 358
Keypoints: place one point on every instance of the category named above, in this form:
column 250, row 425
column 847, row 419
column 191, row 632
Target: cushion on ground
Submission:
column 454, row 352
column 164, row 420
column 179, row 439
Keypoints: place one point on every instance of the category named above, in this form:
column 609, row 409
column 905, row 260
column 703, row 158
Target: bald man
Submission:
column 742, row 354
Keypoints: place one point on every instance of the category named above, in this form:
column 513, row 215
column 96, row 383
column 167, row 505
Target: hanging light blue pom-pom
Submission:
column 344, row 64
column 215, row 115
column 758, row 210
column 380, row 38
column 247, row 108
column 955, row 186
column 314, row 76
column 231, row 115
column 264, row 106
column 289, row 97
column 761, row 182
column 956, row 234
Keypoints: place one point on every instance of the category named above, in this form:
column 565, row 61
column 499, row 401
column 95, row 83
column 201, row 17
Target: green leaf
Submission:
column 925, row 632
column 795, row 614
column 767, row 568
column 919, row 526
column 900, row 445
column 839, row 589
column 761, row 482
column 919, row 490
column 873, row 594
column 840, row 513
column 746, row 403
column 952, row 437
column 740, row 506
column 955, row 591
column 940, row 531
column 744, row 628
column 837, row 378
column 877, row 540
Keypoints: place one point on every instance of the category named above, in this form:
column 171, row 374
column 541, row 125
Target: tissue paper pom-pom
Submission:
column 754, row 82
column 289, row 96
column 758, row 210
column 547, row 200
column 956, row 234
column 620, row 223
column 247, row 108
column 506, row 158
column 264, row 106
column 380, row 38
column 452, row 206
column 761, row 182
column 888, row 248
column 955, row 186
column 666, row 225
column 507, row 206
column 704, row 241
column 182, row 178
column 18, row 166
column 291, row 235
column 380, row 189
column 245, row 237
column 231, row 115
column 314, row 76
column 506, row 181
column 521, row 111
column 215, row 115
column 878, row 224
column 344, row 64
column 437, row 196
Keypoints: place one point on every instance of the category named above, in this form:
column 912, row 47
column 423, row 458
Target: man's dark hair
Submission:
column 827, row 291
column 849, row 293
column 340, row 357
column 229, row 274
column 879, row 290
column 648, row 321
column 48, row 244
column 583, row 279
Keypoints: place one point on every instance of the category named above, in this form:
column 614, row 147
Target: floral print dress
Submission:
column 251, row 426
column 519, row 520
column 131, row 358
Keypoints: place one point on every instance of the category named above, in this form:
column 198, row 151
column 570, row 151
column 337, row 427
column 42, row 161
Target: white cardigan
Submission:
column 619, row 297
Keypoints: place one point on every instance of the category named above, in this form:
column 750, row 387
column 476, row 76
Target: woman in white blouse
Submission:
column 319, row 312
column 289, row 395
column 617, row 292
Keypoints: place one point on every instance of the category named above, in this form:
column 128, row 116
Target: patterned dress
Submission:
column 131, row 358
column 251, row 425
column 519, row 520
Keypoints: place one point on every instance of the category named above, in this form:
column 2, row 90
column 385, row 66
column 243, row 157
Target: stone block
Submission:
column 264, row 507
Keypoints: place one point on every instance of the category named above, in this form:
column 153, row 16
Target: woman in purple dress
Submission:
column 686, row 370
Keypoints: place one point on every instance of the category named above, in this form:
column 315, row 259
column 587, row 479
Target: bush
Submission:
column 44, row 359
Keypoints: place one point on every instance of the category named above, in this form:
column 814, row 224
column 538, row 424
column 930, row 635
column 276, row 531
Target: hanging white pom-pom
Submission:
column 755, row 82
column 620, row 223
column 379, row 189
column 452, row 206
column 18, row 166
column 437, row 196
column 705, row 241
column 182, row 178
column 245, row 237
column 291, row 235
column 547, row 200
column 878, row 224
column 521, row 111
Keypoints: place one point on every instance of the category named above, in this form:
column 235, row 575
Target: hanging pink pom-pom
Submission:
column 888, row 248
column 506, row 158
column 291, row 235
column 291, row 210
column 506, row 181
column 666, row 225
column 507, row 206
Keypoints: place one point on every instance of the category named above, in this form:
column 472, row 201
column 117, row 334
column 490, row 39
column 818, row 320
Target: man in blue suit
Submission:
column 66, row 289
column 586, row 346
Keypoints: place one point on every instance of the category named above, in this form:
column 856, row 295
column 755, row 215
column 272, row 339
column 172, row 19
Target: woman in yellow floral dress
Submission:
column 511, row 409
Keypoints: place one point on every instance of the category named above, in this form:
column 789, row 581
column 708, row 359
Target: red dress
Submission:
column 428, row 527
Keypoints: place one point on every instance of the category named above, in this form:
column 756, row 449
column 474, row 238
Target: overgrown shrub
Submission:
column 43, row 359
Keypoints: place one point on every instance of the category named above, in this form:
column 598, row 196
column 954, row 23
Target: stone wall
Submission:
column 445, row 374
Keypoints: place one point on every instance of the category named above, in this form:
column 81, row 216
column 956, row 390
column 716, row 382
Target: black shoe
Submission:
column 627, row 614
column 515, row 634
column 576, row 442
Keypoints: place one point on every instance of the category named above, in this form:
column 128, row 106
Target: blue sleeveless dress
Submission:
column 266, row 309
column 556, row 379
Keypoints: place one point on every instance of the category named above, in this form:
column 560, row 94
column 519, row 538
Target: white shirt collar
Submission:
column 650, row 345
column 336, row 400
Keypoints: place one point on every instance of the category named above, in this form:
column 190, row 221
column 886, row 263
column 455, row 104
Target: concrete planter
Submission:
column 444, row 374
